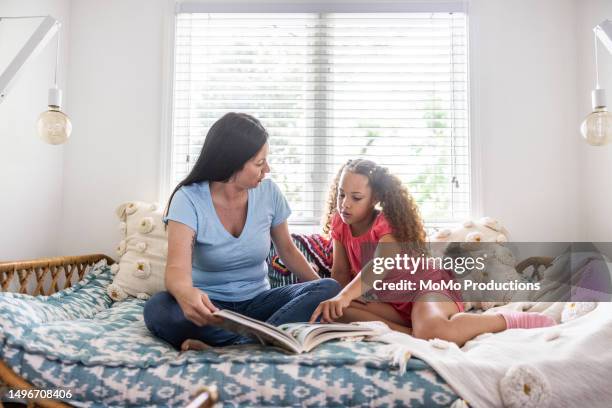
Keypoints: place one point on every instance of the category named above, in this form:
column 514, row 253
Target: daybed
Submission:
column 78, row 338
column 77, row 323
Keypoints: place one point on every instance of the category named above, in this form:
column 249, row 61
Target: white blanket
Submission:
column 568, row 365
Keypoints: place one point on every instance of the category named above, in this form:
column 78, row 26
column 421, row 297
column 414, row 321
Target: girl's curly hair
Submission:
column 397, row 204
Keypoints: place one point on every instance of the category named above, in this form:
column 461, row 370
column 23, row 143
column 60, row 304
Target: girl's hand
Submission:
column 331, row 309
column 197, row 307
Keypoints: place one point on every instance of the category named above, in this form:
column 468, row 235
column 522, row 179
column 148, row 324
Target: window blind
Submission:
column 390, row 87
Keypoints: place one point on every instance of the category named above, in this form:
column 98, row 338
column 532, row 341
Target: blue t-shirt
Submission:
column 225, row 267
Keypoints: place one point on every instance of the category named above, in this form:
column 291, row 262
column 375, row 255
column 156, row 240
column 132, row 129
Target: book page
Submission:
column 250, row 327
column 314, row 340
column 240, row 317
column 305, row 332
column 295, row 337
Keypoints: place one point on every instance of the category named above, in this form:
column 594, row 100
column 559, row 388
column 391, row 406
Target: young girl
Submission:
column 353, row 221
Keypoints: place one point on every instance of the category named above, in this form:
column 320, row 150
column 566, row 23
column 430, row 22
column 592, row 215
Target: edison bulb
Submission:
column 597, row 127
column 54, row 127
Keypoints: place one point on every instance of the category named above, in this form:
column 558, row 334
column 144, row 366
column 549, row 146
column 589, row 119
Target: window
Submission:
column 391, row 87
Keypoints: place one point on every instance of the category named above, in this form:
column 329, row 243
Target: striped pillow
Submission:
column 317, row 250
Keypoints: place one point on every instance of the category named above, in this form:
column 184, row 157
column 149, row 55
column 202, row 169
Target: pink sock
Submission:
column 525, row 320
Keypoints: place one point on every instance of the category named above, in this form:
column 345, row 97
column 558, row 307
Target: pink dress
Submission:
column 360, row 250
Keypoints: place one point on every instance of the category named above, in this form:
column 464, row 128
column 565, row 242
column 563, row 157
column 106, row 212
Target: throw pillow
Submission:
column 142, row 252
column 317, row 250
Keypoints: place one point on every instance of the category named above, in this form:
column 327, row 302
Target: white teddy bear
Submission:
column 500, row 262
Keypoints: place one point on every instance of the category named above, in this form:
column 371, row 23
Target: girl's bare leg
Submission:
column 434, row 315
column 382, row 309
column 368, row 312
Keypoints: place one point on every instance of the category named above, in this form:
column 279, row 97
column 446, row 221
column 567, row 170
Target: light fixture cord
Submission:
column 57, row 48
column 596, row 59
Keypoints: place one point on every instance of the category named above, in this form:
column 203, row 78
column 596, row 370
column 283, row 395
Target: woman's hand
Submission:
column 196, row 306
column 331, row 309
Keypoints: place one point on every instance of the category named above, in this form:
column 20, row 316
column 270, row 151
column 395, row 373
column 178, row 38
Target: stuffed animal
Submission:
column 469, row 239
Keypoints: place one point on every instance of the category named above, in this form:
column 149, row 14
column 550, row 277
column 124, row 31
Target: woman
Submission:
column 220, row 220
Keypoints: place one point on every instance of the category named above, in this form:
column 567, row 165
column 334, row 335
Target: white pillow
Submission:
column 142, row 252
column 500, row 263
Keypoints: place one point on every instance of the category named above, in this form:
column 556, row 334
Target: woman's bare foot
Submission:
column 192, row 344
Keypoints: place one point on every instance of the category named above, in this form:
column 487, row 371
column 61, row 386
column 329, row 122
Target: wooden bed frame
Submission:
column 43, row 277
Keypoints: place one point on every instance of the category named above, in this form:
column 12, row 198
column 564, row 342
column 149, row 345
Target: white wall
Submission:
column 115, row 81
column 595, row 180
column 524, row 73
column 523, row 78
column 30, row 171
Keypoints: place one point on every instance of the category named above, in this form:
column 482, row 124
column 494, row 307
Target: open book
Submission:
column 293, row 337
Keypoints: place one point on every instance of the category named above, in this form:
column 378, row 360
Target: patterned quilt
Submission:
column 80, row 339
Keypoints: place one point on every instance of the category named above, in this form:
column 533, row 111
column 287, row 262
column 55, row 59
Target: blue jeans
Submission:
column 287, row 304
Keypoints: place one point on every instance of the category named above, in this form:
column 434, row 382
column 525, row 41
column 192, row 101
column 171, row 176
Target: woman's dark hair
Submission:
column 230, row 143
